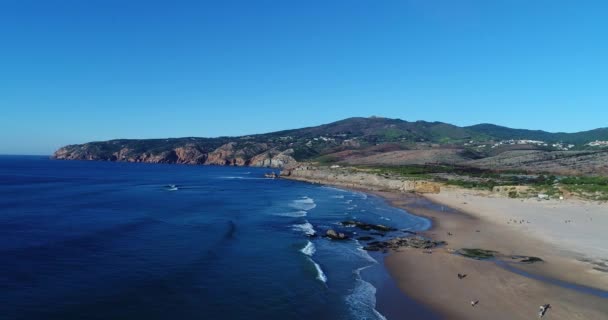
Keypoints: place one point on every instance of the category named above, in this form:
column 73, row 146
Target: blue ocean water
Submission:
column 101, row 240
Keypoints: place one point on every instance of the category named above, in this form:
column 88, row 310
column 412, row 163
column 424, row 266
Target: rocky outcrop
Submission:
column 274, row 158
column 225, row 155
column 410, row 242
column 189, row 154
column 232, row 153
column 367, row 226
column 355, row 179
column 334, row 235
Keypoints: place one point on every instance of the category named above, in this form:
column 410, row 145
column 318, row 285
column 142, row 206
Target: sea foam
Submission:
column 305, row 203
column 294, row 214
column 362, row 300
column 320, row 274
column 309, row 249
column 305, row 228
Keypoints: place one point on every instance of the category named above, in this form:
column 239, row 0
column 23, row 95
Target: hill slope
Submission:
column 356, row 140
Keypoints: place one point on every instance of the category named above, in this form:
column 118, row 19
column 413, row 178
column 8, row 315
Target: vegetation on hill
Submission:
column 366, row 141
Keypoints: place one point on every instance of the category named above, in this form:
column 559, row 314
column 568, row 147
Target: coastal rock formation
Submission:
column 411, row 242
column 334, row 235
column 274, row 158
column 189, row 154
column 367, row 226
column 354, row 179
column 232, row 153
column 372, row 141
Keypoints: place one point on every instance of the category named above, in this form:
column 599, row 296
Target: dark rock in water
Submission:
column 411, row 242
column 410, row 232
column 271, row 175
column 367, row 226
column 365, row 238
column 332, row 234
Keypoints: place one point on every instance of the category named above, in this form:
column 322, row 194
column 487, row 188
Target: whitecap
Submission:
column 309, row 249
column 320, row 274
column 305, row 228
column 295, row 214
column 305, row 203
column 338, row 196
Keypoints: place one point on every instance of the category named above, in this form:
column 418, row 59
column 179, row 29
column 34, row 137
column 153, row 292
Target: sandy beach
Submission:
column 573, row 254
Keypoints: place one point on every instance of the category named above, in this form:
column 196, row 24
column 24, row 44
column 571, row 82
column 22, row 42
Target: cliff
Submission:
column 232, row 153
column 346, row 177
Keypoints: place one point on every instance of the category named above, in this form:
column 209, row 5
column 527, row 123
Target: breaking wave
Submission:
column 305, row 203
column 362, row 301
column 305, row 228
column 320, row 274
column 309, row 249
column 294, row 214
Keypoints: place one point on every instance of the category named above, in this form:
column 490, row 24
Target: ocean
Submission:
column 107, row 240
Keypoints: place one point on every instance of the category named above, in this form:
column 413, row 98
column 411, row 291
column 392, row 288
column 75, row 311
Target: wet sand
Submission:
column 432, row 279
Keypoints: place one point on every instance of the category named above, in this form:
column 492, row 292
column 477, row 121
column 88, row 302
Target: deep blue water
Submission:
column 99, row 240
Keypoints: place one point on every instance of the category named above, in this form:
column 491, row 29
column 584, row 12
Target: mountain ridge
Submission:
column 355, row 137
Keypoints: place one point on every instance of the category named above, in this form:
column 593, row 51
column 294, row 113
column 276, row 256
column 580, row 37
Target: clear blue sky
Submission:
column 76, row 71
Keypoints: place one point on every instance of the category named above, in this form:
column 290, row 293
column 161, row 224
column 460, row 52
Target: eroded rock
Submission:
column 334, row 235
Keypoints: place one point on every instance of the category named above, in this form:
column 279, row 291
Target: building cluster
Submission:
column 524, row 141
column 598, row 143
column 326, row 139
column 562, row 146
column 558, row 146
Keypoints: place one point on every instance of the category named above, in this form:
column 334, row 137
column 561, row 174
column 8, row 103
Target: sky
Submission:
column 78, row 71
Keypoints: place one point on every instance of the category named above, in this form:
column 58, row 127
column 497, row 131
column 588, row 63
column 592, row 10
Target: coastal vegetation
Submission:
column 509, row 181
column 373, row 141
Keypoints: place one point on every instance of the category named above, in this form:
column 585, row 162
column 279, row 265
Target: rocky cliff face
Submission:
column 274, row 158
column 232, row 153
column 361, row 180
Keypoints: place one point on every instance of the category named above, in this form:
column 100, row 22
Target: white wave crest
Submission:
column 320, row 274
column 338, row 196
column 305, row 203
column 309, row 249
column 305, row 227
column 295, row 214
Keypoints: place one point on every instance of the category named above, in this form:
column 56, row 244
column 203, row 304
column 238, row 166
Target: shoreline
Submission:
column 431, row 279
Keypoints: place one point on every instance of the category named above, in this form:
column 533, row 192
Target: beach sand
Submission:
column 481, row 222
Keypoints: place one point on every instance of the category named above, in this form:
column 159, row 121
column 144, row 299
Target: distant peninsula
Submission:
column 371, row 141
